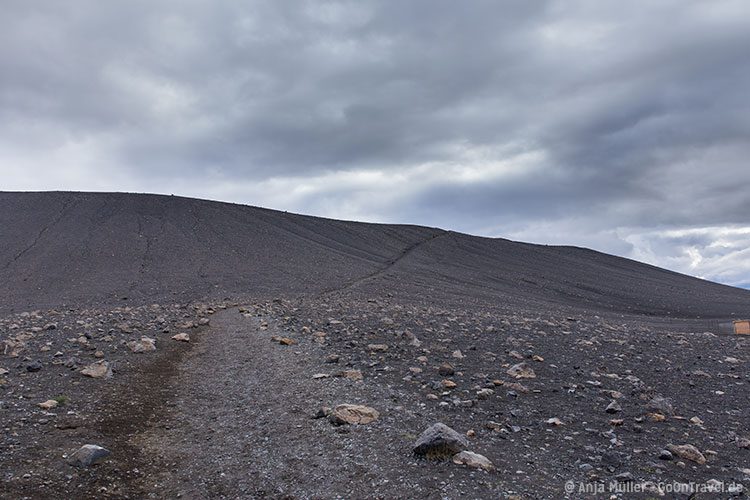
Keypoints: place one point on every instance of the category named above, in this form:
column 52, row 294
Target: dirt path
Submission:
column 240, row 426
column 387, row 267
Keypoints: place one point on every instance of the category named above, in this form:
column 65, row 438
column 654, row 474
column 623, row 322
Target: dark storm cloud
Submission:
column 610, row 124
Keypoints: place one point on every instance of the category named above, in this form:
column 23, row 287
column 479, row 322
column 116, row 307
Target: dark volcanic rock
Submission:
column 446, row 370
column 521, row 370
column 613, row 407
column 34, row 366
column 88, row 455
column 661, row 405
column 440, row 441
column 665, row 455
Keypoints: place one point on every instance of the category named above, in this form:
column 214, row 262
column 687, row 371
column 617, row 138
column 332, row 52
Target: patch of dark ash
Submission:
column 91, row 384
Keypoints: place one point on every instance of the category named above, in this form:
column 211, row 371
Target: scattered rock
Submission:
column 34, row 366
column 322, row 412
column 350, row 374
column 521, row 370
column 624, row 477
column 146, row 344
column 48, row 405
column 332, row 358
column 660, row 404
column 554, row 422
column 613, row 458
column 613, row 407
column 377, row 347
column 614, row 394
column 656, row 417
column 125, row 328
column 71, row 362
column 665, row 455
column 413, row 340
column 474, row 460
column 440, row 441
column 99, row 369
column 181, row 337
column 13, row 347
column 88, row 455
column 515, row 386
column 485, row 393
column 353, row 415
column 446, row 370
column 687, row 452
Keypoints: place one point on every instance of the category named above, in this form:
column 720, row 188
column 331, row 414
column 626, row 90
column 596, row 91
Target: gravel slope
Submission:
column 61, row 249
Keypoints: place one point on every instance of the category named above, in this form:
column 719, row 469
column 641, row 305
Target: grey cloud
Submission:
column 635, row 115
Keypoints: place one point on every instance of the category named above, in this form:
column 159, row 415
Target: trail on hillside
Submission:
column 387, row 267
column 240, row 421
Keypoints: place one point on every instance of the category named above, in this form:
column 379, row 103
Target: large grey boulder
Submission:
column 440, row 441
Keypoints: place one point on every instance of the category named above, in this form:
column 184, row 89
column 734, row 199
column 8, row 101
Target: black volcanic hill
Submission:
column 61, row 249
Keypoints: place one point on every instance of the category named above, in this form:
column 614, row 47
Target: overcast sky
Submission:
column 621, row 126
